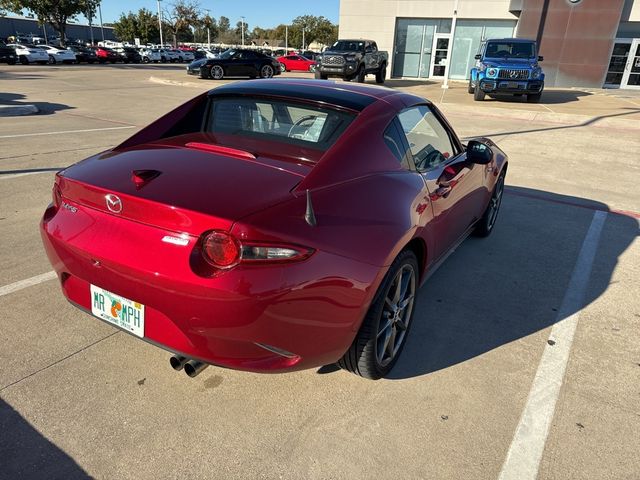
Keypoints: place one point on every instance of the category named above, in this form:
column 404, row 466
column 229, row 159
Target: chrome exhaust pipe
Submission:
column 193, row 368
column 177, row 362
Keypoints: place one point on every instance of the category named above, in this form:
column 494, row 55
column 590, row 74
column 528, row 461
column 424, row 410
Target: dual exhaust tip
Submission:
column 192, row 368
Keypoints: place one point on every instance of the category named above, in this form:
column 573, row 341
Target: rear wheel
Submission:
column 52, row 60
column 283, row 67
column 266, row 71
column 478, row 94
column 485, row 225
column 384, row 329
column 216, row 72
column 381, row 74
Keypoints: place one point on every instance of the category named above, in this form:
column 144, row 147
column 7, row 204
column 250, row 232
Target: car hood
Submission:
column 180, row 185
column 332, row 52
column 510, row 63
column 198, row 63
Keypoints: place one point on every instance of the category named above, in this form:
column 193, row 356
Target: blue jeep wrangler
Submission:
column 507, row 66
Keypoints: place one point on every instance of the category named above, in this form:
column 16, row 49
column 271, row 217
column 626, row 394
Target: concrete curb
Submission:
column 165, row 81
column 17, row 110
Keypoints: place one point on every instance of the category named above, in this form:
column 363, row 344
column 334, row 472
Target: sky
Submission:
column 257, row 13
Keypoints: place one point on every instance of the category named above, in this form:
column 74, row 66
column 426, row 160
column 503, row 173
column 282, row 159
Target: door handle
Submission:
column 443, row 192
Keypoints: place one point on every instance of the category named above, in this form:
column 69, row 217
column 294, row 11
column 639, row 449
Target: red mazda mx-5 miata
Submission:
column 272, row 225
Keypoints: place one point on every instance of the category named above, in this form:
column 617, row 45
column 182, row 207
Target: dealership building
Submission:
column 586, row 43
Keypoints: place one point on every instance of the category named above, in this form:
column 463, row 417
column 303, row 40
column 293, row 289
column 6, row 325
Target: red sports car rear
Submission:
column 265, row 226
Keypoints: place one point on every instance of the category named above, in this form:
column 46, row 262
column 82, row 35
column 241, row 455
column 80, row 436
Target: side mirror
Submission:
column 540, row 58
column 478, row 153
column 478, row 56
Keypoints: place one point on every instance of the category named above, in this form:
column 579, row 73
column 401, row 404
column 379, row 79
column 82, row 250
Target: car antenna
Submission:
column 309, row 215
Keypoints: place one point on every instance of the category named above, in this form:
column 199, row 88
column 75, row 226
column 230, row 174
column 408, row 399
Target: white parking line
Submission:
column 27, row 282
column 66, row 131
column 525, row 452
column 15, row 175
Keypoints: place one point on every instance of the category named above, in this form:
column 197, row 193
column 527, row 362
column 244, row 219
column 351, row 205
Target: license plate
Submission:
column 120, row 311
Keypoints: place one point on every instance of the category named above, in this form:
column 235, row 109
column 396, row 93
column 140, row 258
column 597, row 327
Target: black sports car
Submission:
column 236, row 63
column 83, row 54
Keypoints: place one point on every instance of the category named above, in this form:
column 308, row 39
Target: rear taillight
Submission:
column 222, row 250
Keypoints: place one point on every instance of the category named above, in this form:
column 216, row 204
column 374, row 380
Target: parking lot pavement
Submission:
column 79, row 399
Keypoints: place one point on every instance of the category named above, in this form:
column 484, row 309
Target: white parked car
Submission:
column 210, row 54
column 150, row 55
column 58, row 55
column 186, row 56
column 30, row 54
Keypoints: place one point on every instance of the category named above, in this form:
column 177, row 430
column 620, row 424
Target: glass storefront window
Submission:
column 466, row 42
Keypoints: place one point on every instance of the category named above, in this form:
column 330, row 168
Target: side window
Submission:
column 429, row 141
column 374, row 47
column 395, row 143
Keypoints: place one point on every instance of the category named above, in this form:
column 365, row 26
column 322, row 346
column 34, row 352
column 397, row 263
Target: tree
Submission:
column 182, row 17
column 318, row 29
column 55, row 12
column 204, row 24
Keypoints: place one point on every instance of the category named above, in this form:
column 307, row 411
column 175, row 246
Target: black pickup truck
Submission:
column 352, row 59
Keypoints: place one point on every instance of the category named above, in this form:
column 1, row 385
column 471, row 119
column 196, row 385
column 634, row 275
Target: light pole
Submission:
column 90, row 14
column 303, row 42
column 454, row 19
column 101, row 26
column 44, row 30
column 208, row 29
column 242, row 19
column 160, row 23
column 286, row 39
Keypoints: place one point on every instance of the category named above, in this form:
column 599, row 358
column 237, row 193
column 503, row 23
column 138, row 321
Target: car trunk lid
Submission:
column 184, row 185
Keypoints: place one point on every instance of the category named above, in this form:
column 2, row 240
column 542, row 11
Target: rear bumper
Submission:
column 511, row 87
column 311, row 309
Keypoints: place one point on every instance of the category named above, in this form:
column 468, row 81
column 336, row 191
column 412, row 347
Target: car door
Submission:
column 454, row 187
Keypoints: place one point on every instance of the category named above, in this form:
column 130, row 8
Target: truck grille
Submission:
column 511, row 74
column 333, row 60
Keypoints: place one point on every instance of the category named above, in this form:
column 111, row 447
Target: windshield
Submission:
column 347, row 46
column 506, row 49
column 277, row 121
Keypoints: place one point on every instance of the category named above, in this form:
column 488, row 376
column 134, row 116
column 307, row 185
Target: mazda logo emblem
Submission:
column 114, row 204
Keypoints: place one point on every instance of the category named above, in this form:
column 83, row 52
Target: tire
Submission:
column 52, row 60
column 381, row 74
column 360, row 75
column 11, row 62
column 266, row 71
column 478, row 94
column 363, row 357
column 485, row 225
column 283, row 67
column 320, row 76
column 534, row 97
column 24, row 60
column 471, row 88
column 216, row 72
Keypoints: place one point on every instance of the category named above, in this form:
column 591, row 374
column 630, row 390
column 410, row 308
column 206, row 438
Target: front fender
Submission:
column 474, row 74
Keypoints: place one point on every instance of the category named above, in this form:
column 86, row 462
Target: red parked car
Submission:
column 105, row 55
column 272, row 225
column 296, row 62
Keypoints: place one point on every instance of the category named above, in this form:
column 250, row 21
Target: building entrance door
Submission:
column 631, row 77
column 624, row 66
column 440, row 57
